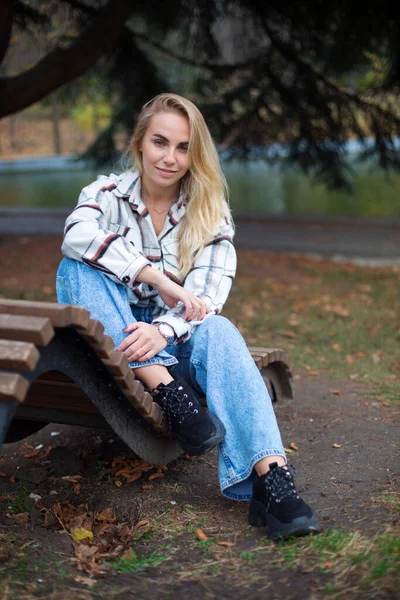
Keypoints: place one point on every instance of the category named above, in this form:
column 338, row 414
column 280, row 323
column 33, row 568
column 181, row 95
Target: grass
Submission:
column 340, row 321
column 130, row 562
column 346, row 557
column 20, row 504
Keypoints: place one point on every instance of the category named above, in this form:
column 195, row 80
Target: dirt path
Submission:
column 352, row 487
column 347, row 468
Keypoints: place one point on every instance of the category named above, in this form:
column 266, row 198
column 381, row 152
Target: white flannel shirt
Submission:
column 111, row 230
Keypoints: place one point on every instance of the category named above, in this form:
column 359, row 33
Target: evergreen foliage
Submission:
column 276, row 80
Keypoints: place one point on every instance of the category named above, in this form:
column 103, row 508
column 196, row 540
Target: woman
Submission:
column 149, row 253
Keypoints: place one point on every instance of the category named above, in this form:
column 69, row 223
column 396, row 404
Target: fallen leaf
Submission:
column 337, row 310
column 336, row 347
column 80, row 533
column 21, row 518
column 77, row 489
column 12, row 479
column 106, row 515
column 313, row 373
column 201, row 535
column 336, row 445
column 3, row 474
column 147, row 486
column 287, row 333
column 31, row 454
column 349, row 359
column 336, row 392
column 48, row 450
column 289, row 451
column 156, row 476
column 142, row 523
column 225, row 544
column 85, row 580
column 293, row 446
column 376, row 359
column 134, row 477
column 118, row 482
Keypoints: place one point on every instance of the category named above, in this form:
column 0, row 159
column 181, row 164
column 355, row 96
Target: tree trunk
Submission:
column 13, row 133
column 55, row 119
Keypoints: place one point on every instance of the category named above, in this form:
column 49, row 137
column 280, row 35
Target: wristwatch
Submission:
column 167, row 332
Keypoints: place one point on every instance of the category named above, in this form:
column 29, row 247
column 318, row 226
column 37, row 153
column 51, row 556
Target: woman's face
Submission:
column 164, row 148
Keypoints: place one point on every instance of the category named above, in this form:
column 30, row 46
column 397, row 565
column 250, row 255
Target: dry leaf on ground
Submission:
column 225, row 544
column 85, row 580
column 293, row 446
column 156, row 476
column 80, row 533
column 201, row 535
column 336, row 445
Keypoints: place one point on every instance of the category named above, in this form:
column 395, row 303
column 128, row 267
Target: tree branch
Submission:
column 65, row 64
column 6, row 18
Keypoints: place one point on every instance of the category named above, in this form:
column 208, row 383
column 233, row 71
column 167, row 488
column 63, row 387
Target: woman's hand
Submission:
column 143, row 343
column 172, row 293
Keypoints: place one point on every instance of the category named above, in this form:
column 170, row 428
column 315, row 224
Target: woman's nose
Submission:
column 169, row 156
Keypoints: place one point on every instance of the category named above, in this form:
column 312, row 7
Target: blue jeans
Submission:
column 215, row 361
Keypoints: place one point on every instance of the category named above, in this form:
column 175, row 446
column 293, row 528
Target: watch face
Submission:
column 166, row 330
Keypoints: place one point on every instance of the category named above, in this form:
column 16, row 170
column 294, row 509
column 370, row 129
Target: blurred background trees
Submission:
column 282, row 81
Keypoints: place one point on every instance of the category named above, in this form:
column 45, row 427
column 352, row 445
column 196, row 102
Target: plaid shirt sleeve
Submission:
column 210, row 278
column 88, row 239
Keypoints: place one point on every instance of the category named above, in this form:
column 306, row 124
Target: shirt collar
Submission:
column 129, row 187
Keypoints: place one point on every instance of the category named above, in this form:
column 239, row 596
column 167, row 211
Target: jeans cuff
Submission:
column 156, row 360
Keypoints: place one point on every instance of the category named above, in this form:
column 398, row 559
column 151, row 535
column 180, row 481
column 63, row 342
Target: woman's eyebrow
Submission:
column 162, row 137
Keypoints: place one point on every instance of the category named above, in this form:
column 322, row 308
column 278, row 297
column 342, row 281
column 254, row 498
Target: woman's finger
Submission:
column 138, row 353
column 146, row 356
column 131, row 326
column 128, row 341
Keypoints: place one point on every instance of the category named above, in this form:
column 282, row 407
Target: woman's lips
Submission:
column 165, row 171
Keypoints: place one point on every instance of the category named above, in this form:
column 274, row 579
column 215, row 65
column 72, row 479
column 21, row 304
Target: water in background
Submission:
column 254, row 187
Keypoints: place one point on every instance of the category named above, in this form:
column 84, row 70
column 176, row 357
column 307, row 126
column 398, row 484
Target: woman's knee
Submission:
column 218, row 325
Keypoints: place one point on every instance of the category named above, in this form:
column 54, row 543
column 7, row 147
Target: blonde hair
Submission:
column 204, row 184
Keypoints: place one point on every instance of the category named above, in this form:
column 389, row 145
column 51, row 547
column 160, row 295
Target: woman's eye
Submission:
column 183, row 148
column 159, row 143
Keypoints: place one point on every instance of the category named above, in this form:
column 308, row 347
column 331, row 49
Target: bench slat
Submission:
column 18, row 356
column 60, row 315
column 94, row 334
column 59, row 394
column 117, row 364
column 37, row 330
column 13, row 387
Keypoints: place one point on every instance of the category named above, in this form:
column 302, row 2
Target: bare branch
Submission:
column 65, row 64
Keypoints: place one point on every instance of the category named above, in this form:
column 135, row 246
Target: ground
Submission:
column 170, row 533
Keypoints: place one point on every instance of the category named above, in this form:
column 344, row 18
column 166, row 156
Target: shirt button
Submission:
column 125, row 279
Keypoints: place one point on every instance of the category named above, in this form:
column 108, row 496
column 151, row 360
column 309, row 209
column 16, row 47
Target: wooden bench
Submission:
column 58, row 366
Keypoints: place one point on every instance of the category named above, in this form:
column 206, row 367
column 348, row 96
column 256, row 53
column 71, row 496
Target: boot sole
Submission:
column 299, row 526
column 208, row 444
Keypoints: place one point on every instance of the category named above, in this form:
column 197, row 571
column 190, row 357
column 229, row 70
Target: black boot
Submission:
column 277, row 505
column 197, row 430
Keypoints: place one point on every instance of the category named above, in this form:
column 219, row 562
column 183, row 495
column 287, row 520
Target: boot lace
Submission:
column 280, row 483
column 176, row 406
